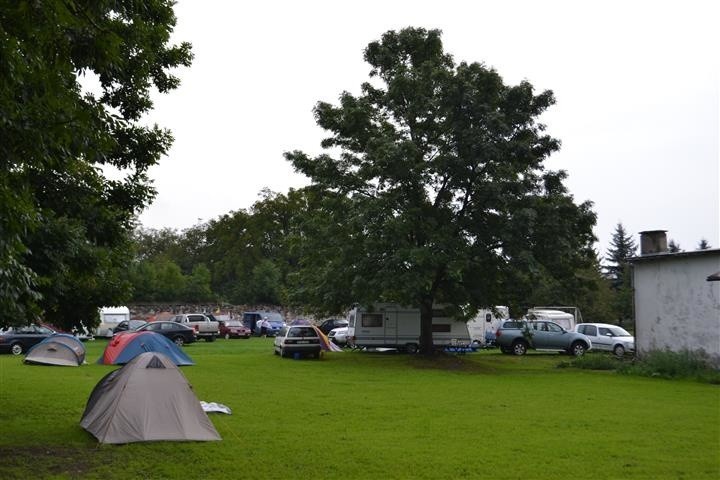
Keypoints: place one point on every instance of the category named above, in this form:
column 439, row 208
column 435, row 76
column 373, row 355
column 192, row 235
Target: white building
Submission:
column 677, row 298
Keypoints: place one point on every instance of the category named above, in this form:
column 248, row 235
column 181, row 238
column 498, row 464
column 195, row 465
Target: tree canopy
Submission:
column 64, row 224
column 433, row 189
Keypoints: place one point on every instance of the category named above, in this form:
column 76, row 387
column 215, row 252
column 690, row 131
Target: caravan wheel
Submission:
column 411, row 348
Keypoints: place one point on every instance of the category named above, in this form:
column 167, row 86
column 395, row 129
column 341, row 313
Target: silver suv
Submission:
column 517, row 337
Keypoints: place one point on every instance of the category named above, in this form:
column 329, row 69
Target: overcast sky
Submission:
column 637, row 86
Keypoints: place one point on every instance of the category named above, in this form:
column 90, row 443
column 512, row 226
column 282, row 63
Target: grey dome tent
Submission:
column 59, row 349
column 149, row 399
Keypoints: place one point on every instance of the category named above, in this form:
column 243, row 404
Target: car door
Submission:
column 540, row 334
column 604, row 339
column 31, row 335
column 548, row 335
column 591, row 331
column 169, row 330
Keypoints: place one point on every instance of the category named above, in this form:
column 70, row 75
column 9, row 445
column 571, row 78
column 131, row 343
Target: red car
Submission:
column 233, row 329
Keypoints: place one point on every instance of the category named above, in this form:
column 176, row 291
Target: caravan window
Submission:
column 372, row 319
column 441, row 327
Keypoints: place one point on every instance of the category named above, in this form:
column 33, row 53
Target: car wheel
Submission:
column 227, row 336
column 411, row 348
column 16, row 348
column 578, row 349
column 519, row 348
column 179, row 341
column 619, row 351
column 211, row 338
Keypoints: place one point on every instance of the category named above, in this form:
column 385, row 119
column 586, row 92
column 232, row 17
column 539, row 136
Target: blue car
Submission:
column 255, row 321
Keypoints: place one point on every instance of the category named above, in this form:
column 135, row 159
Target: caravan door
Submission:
column 391, row 330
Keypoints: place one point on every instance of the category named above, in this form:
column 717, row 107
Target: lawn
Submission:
column 368, row 415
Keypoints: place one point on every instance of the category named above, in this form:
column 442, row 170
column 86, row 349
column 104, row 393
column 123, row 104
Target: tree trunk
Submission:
column 426, row 316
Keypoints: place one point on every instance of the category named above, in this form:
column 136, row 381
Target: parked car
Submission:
column 331, row 324
column 205, row 325
column 338, row 335
column 253, row 320
column 301, row 339
column 233, row 329
column 177, row 332
column 19, row 339
column 126, row 325
column 608, row 337
column 517, row 336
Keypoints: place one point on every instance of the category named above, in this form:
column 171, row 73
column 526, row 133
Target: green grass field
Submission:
column 376, row 416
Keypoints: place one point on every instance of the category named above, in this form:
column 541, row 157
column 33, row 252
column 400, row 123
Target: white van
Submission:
column 394, row 326
column 482, row 328
column 109, row 319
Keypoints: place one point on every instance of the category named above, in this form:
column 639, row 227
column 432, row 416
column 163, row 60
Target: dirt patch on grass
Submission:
column 449, row 362
column 44, row 461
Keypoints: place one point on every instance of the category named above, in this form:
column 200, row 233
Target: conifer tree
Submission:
column 622, row 247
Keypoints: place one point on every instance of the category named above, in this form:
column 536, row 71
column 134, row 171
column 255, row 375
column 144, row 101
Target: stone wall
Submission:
column 148, row 310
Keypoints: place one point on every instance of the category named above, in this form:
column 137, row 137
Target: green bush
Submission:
column 668, row 364
column 599, row 361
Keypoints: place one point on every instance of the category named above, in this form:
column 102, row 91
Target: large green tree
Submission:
column 434, row 189
column 252, row 252
column 65, row 225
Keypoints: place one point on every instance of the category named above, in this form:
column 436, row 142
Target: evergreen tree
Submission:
column 703, row 245
column 622, row 247
column 674, row 247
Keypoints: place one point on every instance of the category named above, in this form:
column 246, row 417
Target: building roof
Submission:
column 668, row 255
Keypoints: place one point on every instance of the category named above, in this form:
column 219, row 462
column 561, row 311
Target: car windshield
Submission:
column 273, row 317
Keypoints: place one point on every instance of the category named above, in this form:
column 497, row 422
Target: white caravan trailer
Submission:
column 482, row 328
column 393, row 326
column 559, row 315
column 109, row 318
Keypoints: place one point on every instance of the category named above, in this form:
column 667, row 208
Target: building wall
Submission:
column 676, row 307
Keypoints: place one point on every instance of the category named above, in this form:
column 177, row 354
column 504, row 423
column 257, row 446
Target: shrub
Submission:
column 668, row 364
column 597, row 362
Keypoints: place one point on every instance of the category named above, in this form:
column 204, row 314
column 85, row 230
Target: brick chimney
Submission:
column 653, row 242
